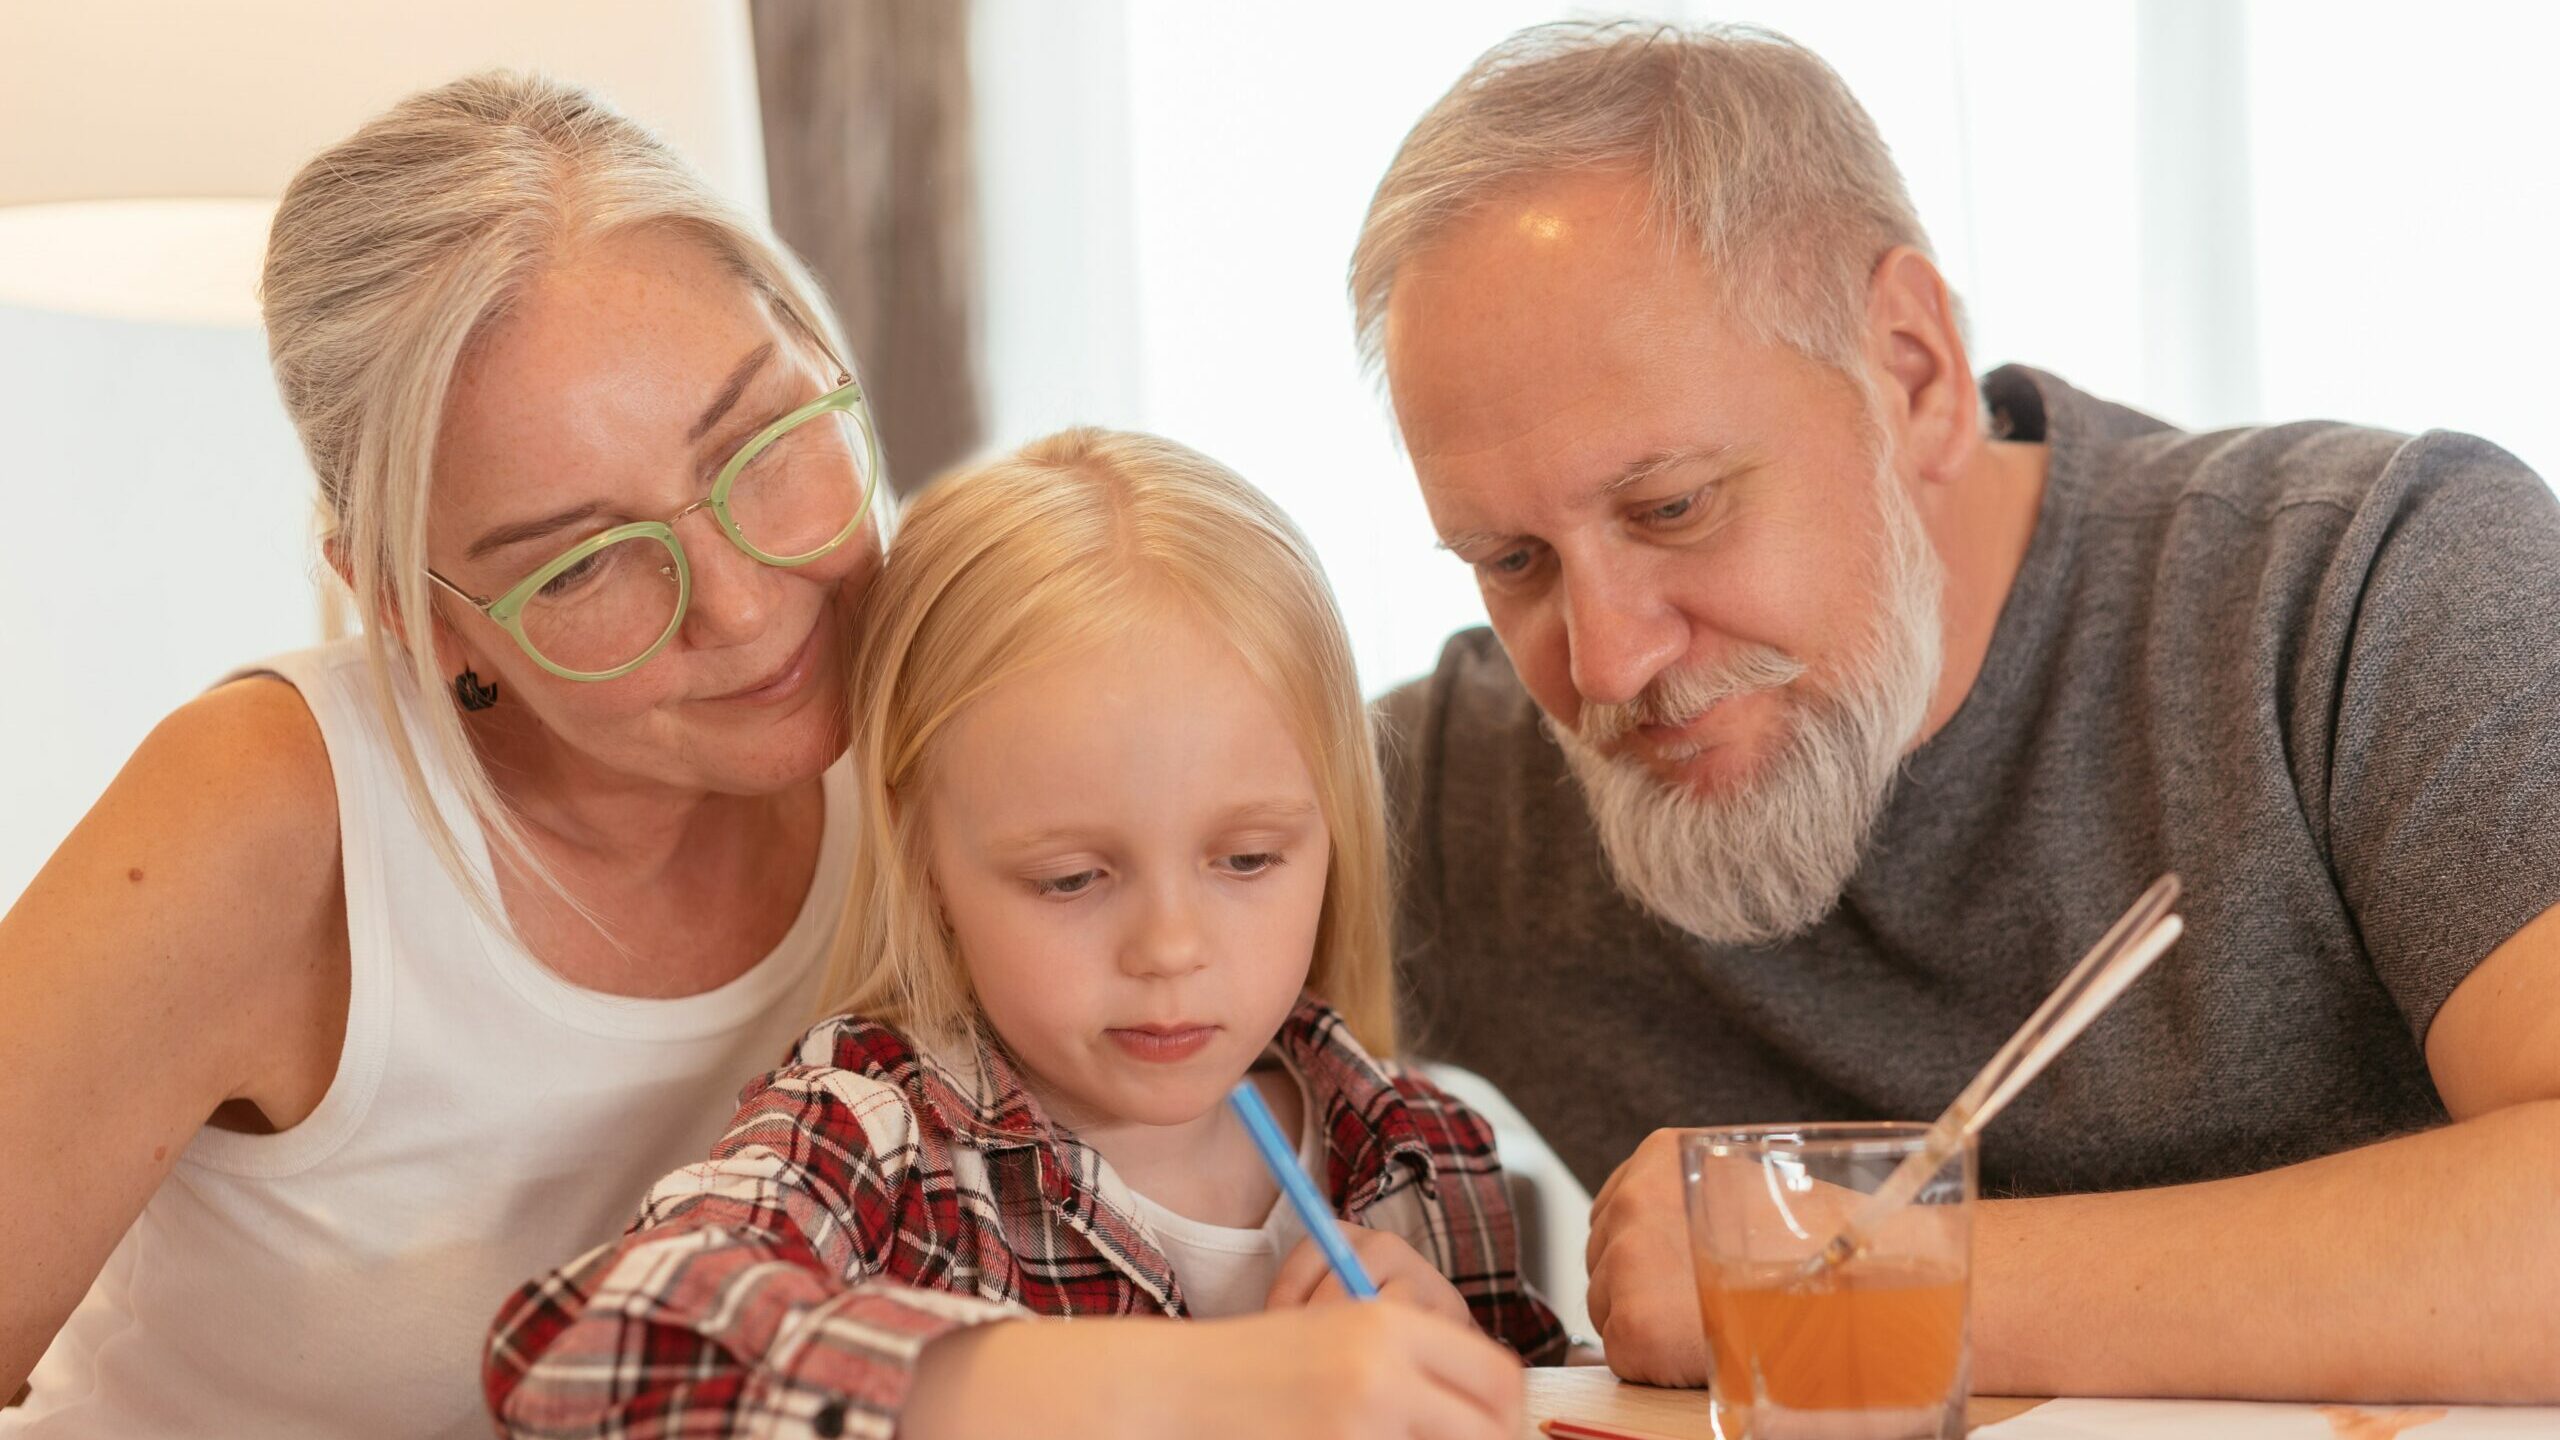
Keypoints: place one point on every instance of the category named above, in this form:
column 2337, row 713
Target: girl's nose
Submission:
column 1167, row 941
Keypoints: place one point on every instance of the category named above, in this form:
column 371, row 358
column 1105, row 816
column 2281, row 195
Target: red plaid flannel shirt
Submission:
column 870, row 1197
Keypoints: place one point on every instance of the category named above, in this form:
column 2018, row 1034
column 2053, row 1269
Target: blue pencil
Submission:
column 1317, row 1216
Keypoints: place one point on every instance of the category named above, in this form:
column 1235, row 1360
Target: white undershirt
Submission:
column 1225, row 1270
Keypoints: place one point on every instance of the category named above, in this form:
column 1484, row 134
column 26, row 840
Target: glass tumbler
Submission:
column 1871, row 1349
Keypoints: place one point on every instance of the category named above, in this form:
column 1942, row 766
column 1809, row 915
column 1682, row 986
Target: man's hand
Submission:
column 1644, row 1297
column 1401, row 1275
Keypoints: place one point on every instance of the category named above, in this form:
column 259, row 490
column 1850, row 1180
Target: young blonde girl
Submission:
column 1122, row 850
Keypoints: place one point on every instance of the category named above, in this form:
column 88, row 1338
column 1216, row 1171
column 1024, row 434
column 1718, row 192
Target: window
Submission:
column 2221, row 213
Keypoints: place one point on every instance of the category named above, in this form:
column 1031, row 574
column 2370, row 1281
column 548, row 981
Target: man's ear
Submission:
column 1916, row 355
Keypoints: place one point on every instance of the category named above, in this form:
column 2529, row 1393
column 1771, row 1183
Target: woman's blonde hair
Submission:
column 1052, row 550
column 391, row 251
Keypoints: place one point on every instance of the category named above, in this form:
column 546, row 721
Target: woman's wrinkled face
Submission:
column 614, row 390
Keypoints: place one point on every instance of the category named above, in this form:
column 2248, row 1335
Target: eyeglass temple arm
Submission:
column 473, row 600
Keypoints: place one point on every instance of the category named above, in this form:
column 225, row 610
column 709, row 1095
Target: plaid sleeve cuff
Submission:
column 1536, row 1333
column 844, row 1368
column 713, row 1333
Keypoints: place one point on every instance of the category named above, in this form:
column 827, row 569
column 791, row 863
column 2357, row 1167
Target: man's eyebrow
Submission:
column 523, row 530
column 1647, row 467
column 1636, row 472
column 729, row 392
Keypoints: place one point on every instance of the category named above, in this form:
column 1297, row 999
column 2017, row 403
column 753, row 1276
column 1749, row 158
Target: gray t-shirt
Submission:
column 2311, row 668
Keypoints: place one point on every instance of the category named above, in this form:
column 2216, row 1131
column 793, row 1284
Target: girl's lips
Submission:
column 1163, row 1046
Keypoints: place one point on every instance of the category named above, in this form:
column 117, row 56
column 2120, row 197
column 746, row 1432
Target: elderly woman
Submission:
column 393, row 971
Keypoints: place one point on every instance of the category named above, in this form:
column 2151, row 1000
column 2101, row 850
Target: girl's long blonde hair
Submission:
column 1057, row 548
column 391, row 251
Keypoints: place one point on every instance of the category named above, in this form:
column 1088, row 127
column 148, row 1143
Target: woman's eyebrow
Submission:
column 729, row 392
column 523, row 530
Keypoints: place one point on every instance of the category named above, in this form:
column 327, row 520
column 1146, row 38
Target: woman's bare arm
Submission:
column 183, row 952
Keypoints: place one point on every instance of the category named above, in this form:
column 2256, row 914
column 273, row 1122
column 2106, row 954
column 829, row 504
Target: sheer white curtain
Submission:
column 2219, row 212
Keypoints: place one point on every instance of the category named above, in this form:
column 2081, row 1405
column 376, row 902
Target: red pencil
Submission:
column 1586, row 1430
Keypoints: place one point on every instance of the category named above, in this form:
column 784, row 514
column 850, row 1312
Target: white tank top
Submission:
column 487, row 1121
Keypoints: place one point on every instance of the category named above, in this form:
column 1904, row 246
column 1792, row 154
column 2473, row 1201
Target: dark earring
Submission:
column 473, row 695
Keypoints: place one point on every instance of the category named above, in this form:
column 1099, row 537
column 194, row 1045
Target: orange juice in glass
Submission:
column 1874, row 1349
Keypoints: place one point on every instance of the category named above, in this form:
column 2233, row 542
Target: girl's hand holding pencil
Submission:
column 1337, row 1261
column 1398, row 1271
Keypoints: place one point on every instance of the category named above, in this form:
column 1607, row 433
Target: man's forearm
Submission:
column 2423, row 1268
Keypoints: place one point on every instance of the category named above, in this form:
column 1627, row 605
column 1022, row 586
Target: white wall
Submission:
column 2406, row 202
column 157, row 532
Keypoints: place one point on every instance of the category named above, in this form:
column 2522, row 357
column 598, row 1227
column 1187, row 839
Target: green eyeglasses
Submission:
column 791, row 495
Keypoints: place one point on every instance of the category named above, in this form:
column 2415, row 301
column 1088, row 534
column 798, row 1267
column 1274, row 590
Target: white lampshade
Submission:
column 143, row 142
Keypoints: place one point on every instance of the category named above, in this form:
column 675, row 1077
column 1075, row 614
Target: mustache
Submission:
column 1677, row 697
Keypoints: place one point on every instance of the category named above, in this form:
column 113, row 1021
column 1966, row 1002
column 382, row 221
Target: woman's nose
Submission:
column 732, row 591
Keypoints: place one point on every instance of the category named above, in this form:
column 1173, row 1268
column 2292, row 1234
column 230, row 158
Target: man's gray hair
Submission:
column 1758, row 155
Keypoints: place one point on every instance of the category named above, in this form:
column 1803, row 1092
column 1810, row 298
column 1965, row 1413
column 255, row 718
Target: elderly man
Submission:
column 1835, row 701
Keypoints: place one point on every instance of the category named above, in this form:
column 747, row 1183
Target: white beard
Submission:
column 1769, row 859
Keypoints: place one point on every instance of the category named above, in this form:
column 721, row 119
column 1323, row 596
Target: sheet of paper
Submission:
column 2238, row 1420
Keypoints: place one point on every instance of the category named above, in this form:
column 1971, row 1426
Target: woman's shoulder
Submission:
column 232, row 793
column 260, row 728
column 241, row 777
column 204, row 883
